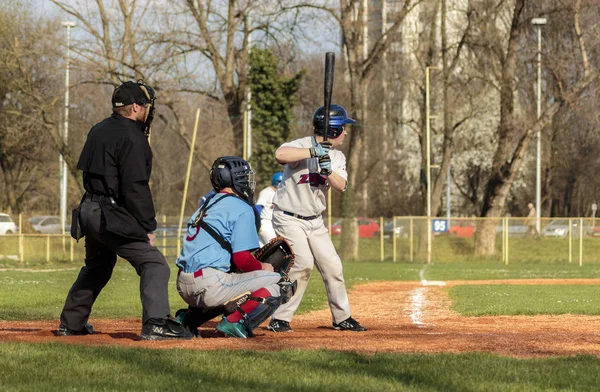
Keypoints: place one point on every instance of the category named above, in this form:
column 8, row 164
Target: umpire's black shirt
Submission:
column 117, row 161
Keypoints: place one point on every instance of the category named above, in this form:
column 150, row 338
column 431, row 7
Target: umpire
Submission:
column 117, row 217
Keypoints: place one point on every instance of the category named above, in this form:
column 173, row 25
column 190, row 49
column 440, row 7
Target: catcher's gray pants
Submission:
column 101, row 250
column 311, row 243
column 214, row 288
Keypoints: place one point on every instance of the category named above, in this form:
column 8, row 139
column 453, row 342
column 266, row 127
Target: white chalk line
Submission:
column 418, row 299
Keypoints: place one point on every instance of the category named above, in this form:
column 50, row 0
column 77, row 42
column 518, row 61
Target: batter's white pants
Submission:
column 312, row 246
column 266, row 233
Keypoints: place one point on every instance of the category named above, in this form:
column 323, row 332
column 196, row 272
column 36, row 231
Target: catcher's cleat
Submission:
column 349, row 325
column 164, row 329
column 234, row 330
column 182, row 317
column 86, row 330
column 279, row 326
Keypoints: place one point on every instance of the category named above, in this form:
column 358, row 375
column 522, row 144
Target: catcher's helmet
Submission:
column 337, row 118
column 233, row 172
column 276, row 179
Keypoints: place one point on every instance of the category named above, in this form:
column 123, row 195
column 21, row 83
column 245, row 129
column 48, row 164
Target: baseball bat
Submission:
column 328, row 89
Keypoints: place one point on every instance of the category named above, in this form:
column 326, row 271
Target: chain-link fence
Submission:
column 398, row 239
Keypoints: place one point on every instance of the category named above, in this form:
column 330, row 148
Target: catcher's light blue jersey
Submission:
column 233, row 219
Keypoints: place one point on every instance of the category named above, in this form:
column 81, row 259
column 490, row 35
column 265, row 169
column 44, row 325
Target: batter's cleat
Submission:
column 279, row 326
column 349, row 325
column 182, row 317
column 234, row 330
column 164, row 329
column 86, row 330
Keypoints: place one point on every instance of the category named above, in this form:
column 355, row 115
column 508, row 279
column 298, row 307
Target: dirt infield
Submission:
column 405, row 317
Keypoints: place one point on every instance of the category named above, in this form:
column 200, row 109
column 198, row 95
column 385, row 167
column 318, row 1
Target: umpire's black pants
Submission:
column 101, row 252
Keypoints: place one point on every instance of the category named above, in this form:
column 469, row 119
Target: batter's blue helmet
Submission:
column 276, row 179
column 233, row 172
column 337, row 119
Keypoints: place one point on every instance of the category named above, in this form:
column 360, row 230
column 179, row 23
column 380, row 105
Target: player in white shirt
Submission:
column 265, row 204
column 312, row 166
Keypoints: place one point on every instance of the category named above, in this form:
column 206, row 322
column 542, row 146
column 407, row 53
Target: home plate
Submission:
column 432, row 283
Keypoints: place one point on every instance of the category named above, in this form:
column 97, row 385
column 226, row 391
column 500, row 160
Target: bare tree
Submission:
column 514, row 136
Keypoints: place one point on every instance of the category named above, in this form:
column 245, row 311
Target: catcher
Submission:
column 218, row 272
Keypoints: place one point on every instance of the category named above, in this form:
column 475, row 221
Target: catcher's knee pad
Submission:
column 287, row 288
column 266, row 307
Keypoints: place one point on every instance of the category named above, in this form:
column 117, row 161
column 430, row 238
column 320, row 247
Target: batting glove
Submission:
column 320, row 149
column 325, row 165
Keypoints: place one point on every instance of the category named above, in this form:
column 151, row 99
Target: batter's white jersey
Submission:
column 302, row 190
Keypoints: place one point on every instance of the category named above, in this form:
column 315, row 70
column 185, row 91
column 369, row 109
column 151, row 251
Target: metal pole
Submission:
column 538, row 170
column 448, row 197
column 63, row 164
column 538, row 22
column 428, row 143
column 249, row 96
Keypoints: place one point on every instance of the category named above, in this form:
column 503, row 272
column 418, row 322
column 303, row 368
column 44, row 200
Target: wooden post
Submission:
column 187, row 179
column 503, row 240
column 394, row 238
column 580, row 242
column 21, row 248
column 570, row 242
column 411, row 240
column 506, row 240
column 381, row 252
column 48, row 248
column 164, row 234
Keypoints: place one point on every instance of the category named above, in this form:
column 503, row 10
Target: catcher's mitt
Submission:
column 278, row 253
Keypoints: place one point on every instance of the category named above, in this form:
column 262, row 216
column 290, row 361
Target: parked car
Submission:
column 7, row 226
column 402, row 229
column 516, row 228
column 462, row 228
column 367, row 227
column 48, row 224
column 560, row 228
column 596, row 232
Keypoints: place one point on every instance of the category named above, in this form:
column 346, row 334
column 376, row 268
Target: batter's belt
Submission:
column 300, row 216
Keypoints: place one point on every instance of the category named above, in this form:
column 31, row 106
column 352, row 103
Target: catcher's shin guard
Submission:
column 266, row 307
column 287, row 289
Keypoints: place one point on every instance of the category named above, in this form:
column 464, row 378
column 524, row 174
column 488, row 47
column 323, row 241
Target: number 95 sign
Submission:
column 439, row 225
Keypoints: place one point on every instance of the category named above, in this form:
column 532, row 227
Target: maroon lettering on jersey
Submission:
column 191, row 237
column 314, row 179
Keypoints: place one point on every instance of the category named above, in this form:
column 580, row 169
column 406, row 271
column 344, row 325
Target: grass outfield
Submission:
column 62, row 367
column 31, row 295
column 493, row 300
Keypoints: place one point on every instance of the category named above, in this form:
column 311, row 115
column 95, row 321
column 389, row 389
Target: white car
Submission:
column 7, row 226
column 47, row 224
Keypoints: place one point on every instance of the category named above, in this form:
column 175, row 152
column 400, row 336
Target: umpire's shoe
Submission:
column 86, row 330
column 164, row 329
column 279, row 326
column 349, row 325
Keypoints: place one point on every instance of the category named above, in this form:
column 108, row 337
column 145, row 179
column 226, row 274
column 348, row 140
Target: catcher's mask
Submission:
column 233, row 172
column 337, row 119
column 138, row 92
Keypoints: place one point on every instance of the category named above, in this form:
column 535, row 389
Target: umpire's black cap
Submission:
column 129, row 93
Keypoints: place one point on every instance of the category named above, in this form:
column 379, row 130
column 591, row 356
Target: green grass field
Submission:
column 36, row 295
column 52, row 250
column 490, row 300
column 60, row 367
